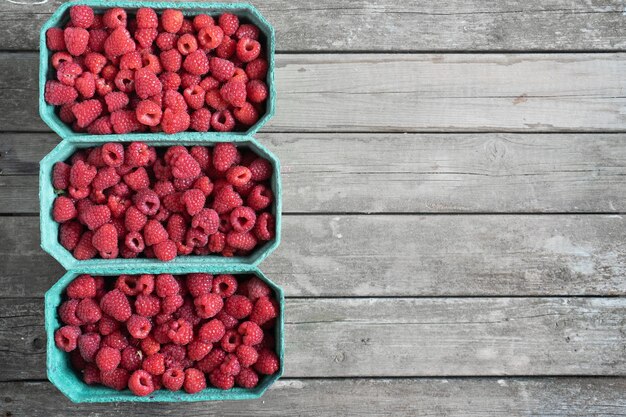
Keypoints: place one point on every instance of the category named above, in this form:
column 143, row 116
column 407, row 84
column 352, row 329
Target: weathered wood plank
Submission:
column 404, row 337
column 391, row 26
column 424, row 92
column 458, row 397
column 382, row 255
column 427, row 173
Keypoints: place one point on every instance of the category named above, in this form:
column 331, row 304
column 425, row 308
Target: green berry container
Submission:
column 50, row 228
column 61, row 374
column 244, row 11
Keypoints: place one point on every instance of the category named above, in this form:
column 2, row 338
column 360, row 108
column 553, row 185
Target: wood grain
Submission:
column 425, row 173
column 457, row 397
column 423, row 92
column 383, row 255
column 391, row 26
column 404, row 337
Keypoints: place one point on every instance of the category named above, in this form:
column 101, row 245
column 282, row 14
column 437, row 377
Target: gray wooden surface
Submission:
column 454, row 190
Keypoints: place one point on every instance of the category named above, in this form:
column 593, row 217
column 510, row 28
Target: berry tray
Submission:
column 50, row 228
column 242, row 10
column 69, row 383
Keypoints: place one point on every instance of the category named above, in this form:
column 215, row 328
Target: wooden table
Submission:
column 454, row 240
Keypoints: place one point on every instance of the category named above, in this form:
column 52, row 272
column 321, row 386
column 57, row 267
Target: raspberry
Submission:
column 66, row 338
column 124, row 121
column 79, row 193
column 60, row 58
column 194, row 381
column 55, row 39
column 137, row 179
column 187, row 44
column 267, row 363
column 257, row 91
column 208, row 305
column 234, row 92
column 145, row 37
column 242, row 219
column 171, row 60
column 149, row 346
column 244, row 241
column 263, row 311
column 247, row 378
column 154, row 364
column 125, row 81
column 81, row 174
column 229, row 23
column 199, row 284
column 257, row 288
column 107, row 359
column 194, row 96
column 247, row 355
column 223, row 121
column 69, row 234
column 58, row 94
column 127, row 284
column 138, row 326
column 197, row 350
column 166, row 285
column 238, row 175
column 206, row 220
column 195, row 238
column 222, row 69
column 224, row 285
column 173, row 379
column 203, row 184
column 91, row 374
column 76, row 40
column 84, row 249
column 260, row 197
column 134, row 219
column 202, row 20
column 174, row 122
column 113, row 154
column 194, row 201
column 147, row 305
column 221, row 380
column 95, row 216
column 238, row 306
column 147, row 83
column 148, row 113
column 88, row 311
column 200, row 120
column 217, row 242
column 130, row 61
column 116, row 379
column 86, row 85
column 97, row 38
column 210, row 37
column 107, row 325
column 61, row 175
column 105, row 239
column 116, row 340
column 257, row 69
column 116, row 100
column 146, row 18
column 147, row 202
column 180, row 332
column 209, row 83
column 172, row 20
column 247, row 115
column 81, row 16
column 231, row 365
column 251, row 333
column 196, row 63
column 86, row 112
column 140, row 383
column 67, row 72
column 64, row 209
column 174, row 355
column 153, row 233
column 214, row 99
column 114, row 18
column 131, row 358
column 248, row 49
column 101, row 126
column 115, row 304
column 118, row 43
column 227, row 48
column 88, row 345
column 247, row 31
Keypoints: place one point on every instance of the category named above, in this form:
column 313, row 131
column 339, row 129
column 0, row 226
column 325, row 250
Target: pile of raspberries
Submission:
column 126, row 201
column 117, row 73
column 149, row 332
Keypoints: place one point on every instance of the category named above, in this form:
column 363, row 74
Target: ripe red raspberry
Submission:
column 180, row 332
column 148, row 113
column 238, row 306
column 257, row 69
column 127, row 284
column 208, row 305
column 174, row 122
column 212, row 331
column 107, row 358
column 137, row 179
column 94, row 62
column 251, row 333
column 173, row 379
column 55, row 39
column 229, row 23
column 76, row 40
column 113, row 154
column 88, row 345
column 187, row 44
column 118, row 43
column 69, row 234
column 97, row 38
column 149, row 346
column 130, row 61
column 166, row 285
column 81, row 16
column 105, row 239
column 67, row 72
column 189, row 80
column 267, row 363
column 91, row 374
column 248, row 49
column 138, row 326
column 222, row 69
column 84, row 249
column 195, row 238
column 147, row 202
column 202, row 20
column 134, row 219
column 247, row 114
column 61, row 175
column 242, row 219
column 147, row 305
column 105, row 178
column 257, row 288
column 116, row 340
column 209, row 83
column 140, row 383
column 221, row 380
column 66, row 338
column 247, row 378
column 231, row 365
column 95, row 216
column 227, row 48
column 244, row 241
column 101, row 126
column 223, row 121
column 224, row 285
column 200, row 283
column 234, row 92
column 217, row 242
column 263, row 311
column 214, row 99
column 131, row 358
column 194, row 96
column 196, row 63
column 86, row 112
column 63, row 209
column 137, row 154
column 124, row 121
column 115, row 304
column 247, row 355
column 86, row 85
column 261, row 169
column 172, row 20
column 171, row 60
column 153, row 233
column 154, row 364
column 238, row 175
column 194, row 381
column 147, row 83
column 210, row 37
column 58, row 94
column 257, row 91
column 116, row 100
column 145, row 37
column 260, row 197
column 196, row 350
column 114, row 18
column 125, row 81
column 146, row 18
column 116, row 379
column 88, row 311
column 173, row 202
column 247, row 31
column 107, row 325
column 194, row 201
column 200, row 120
